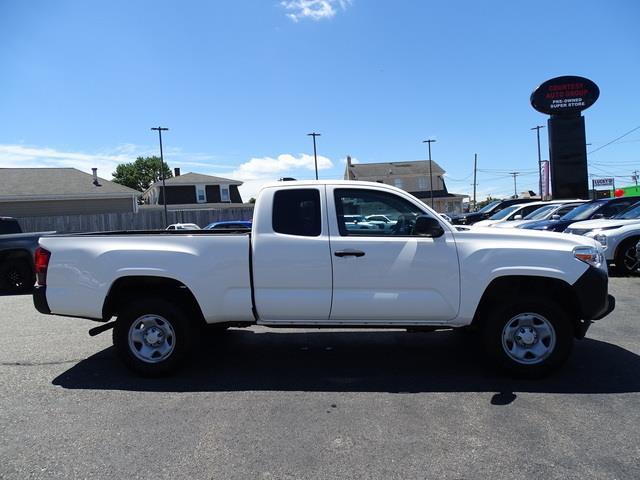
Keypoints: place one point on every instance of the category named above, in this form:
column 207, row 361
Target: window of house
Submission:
column 224, row 193
column 398, row 182
column 297, row 212
column 351, row 203
column 201, row 194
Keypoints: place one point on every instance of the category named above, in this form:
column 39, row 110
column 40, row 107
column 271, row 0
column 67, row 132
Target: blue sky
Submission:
column 241, row 83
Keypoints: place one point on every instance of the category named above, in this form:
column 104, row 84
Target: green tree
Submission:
column 140, row 174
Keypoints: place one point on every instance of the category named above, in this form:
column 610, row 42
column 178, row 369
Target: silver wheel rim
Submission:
column 151, row 338
column 528, row 338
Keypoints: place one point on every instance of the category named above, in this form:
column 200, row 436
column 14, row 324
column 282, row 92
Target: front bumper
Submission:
column 594, row 301
column 40, row 299
column 591, row 292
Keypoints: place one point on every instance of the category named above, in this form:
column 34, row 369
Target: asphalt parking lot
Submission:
column 261, row 403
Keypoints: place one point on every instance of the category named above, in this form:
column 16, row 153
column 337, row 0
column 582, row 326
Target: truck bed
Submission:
column 214, row 264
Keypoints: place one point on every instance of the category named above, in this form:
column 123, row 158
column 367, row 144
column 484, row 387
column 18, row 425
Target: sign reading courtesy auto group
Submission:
column 565, row 95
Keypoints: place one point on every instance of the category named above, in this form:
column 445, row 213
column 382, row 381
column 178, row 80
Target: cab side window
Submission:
column 359, row 212
column 297, row 212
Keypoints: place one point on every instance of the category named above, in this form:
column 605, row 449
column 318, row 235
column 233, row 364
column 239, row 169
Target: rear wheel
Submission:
column 153, row 336
column 626, row 260
column 529, row 337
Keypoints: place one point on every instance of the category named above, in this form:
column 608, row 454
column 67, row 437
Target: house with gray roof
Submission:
column 192, row 190
column 38, row 192
column 418, row 177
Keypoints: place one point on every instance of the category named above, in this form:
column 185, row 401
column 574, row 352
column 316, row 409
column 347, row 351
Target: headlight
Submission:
column 589, row 255
column 602, row 239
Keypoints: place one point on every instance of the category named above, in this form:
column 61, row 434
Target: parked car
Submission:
column 490, row 209
column 618, row 236
column 16, row 256
column 510, row 214
column 602, row 208
column 528, row 294
column 230, row 225
column 183, row 226
column 381, row 221
column 548, row 211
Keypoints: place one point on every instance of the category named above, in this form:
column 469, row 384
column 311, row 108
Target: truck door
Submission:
column 389, row 275
column 291, row 256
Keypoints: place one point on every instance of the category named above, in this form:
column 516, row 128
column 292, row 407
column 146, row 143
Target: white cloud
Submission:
column 313, row 9
column 258, row 171
column 22, row 156
column 254, row 173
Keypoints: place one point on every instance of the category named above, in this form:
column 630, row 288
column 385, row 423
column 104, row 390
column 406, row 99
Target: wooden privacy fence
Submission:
column 142, row 220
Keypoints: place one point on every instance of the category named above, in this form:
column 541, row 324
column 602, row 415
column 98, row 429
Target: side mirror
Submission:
column 555, row 217
column 428, row 227
column 517, row 217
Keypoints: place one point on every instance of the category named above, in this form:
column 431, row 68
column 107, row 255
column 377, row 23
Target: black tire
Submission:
column 626, row 259
column 531, row 319
column 157, row 320
column 16, row 276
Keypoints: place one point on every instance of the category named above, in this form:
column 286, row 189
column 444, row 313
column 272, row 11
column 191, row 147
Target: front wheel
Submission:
column 529, row 337
column 627, row 261
column 152, row 336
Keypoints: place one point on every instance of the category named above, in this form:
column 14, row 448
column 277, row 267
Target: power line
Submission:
column 614, row 140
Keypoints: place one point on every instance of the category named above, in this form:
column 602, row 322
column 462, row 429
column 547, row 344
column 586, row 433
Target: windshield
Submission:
column 505, row 213
column 489, row 206
column 583, row 212
column 630, row 213
column 541, row 212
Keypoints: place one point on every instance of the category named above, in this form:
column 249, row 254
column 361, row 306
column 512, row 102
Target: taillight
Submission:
column 41, row 262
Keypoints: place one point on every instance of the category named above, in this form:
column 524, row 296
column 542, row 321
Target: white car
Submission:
column 551, row 211
column 618, row 236
column 512, row 213
column 183, row 226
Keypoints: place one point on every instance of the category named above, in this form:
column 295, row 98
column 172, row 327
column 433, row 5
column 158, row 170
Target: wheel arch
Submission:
column 128, row 288
column 16, row 253
column 514, row 285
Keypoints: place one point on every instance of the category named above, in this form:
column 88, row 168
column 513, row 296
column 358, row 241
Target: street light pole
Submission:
column 428, row 142
column 315, row 155
column 164, row 190
column 537, row 129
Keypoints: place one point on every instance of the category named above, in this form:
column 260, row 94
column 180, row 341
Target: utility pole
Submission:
column 475, row 171
column 315, row 155
column 515, row 188
column 428, row 142
column 537, row 129
column 635, row 176
column 164, row 190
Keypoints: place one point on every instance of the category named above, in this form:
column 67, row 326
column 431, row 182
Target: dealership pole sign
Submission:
column 564, row 98
column 565, row 95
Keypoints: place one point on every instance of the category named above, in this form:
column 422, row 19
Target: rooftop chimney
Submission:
column 176, row 172
column 95, row 177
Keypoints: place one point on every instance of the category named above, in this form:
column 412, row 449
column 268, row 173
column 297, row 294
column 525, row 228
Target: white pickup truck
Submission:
column 527, row 294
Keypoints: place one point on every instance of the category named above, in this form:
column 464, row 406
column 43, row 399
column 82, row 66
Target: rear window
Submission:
column 297, row 212
column 9, row 225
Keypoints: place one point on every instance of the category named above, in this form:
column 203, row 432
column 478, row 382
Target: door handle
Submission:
column 349, row 253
